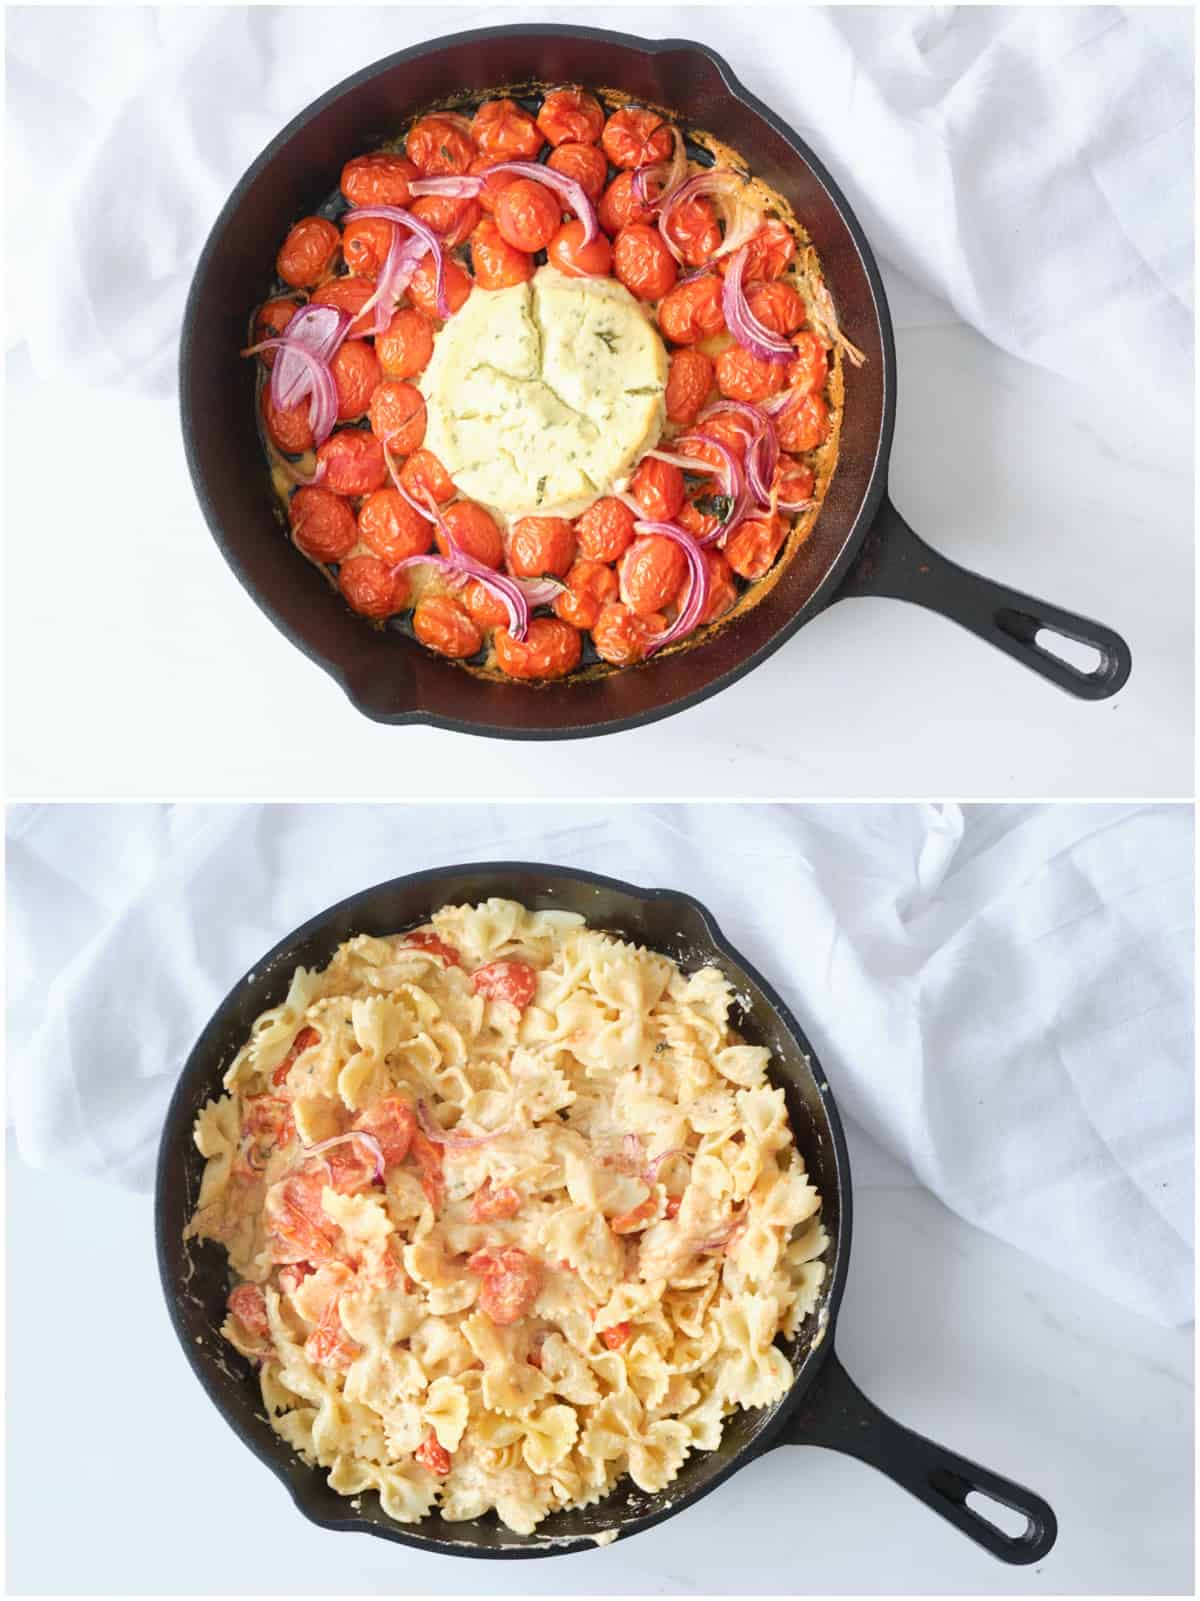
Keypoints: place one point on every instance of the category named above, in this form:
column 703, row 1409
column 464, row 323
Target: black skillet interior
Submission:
column 822, row 1408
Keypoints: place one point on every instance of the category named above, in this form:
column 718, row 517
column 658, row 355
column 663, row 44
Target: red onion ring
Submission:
column 652, row 1168
column 795, row 505
column 317, row 329
column 672, row 176
column 697, row 599
column 740, row 219
column 394, row 278
column 464, row 186
column 323, row 400
column 741, row 321
column 434, row 1131
column 566, row 188
column 423, row 231
column 361, row 1135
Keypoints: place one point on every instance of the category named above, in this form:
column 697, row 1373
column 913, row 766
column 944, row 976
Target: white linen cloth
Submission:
column 1028, row 167
column 1000, row 995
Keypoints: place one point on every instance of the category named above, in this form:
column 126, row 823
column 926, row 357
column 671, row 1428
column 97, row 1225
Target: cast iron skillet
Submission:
column 861, row 544
column 822, row 1408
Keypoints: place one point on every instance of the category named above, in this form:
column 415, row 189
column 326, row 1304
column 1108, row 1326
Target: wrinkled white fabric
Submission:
column 1029, row 168
column 1000, row 996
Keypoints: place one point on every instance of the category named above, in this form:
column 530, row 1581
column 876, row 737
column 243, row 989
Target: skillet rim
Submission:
column 198, row 1065
column 873, row 495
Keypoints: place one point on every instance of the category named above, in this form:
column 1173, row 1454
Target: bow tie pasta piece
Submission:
column 446, row 1411
column 754, row 1371
column 549, row 1436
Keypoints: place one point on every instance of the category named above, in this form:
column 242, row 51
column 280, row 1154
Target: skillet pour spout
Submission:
column 822, row 1407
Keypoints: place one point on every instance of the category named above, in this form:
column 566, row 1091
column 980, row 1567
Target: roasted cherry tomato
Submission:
column 659, row 490
column 475, row 532
column 500, row 128
column 443, row 624
column 493, row 184
column 741, row 375
column 642, row 262
column 616, row 1335
column 365, row 244
column 722, row 591
column 620, row 206
column 423, row 474
column 550, row 649
column 794, row 481
column 634, row 138
column 248, row 1306
column 452, row 220
column 674, row 1202
column 428, row 1158
column 306, row 1038
column 511, row 1282
column 514, row 982
column 541, row 547
column 433, row 1456
column 725, row 427
column 307, row 253
column 804, row 425
column 484, row 605
column 571, row 116
column 528, row 214
column 371, row 586
column 621, row 637
column 380, row 179
column 605, row 530
column 271, row 320
column 266, row 1128
column 637, row 1217
column 356, row 376
column 810, row 365
column 689, row 384
column 571, row 256
column 768, row 252
column 424, row 939
column 590, row 586
column 354, row 463
column 297, row 1225
column 390, row 528
column 652, row 573
column 351, row 1167
column 439, row 147
column 694, row 230
column 329, row 1345
column 288, row 430
column 293, row 1274
column 422, row 287
column 752, row 548
column 497, row 264
column 397, row 414
column 393, row 1123
column 349, row 294
column 585, row 164
column 777, row 306
column 489, row 1204
column 692, row 311
column 696, row 519
column 323, row 525
column 406, row 345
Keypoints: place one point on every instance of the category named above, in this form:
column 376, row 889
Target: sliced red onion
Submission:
column 394, row 278
column 455, row 576
column 762, row 445
column 317, row 329
column 795, row 505
column 663, row 1156
column 631, row 1149
column 671, row 176
column 740, row 219
column 697, row 599
column 369, row 1140
column 687, row 464
column 463, row 186
column 434, row 1131
column 741, row 321
column 540, row 591
column 423, row 231
column 323, row 400
column 822, row 319
column 628, row 501
column 566, row 188
column 774, row 404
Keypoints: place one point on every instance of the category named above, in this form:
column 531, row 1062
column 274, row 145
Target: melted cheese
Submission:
column 545, row 395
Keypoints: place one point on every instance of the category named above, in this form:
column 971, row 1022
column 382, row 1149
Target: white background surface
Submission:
column 161, row 677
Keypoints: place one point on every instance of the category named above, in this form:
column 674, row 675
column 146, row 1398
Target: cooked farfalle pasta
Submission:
column 512, row 1212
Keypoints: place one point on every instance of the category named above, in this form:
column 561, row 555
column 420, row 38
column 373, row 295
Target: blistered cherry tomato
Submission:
column 272, row 318
column 605, row 530
column 297, row 1224
column 511, row 1282
column 725, row 427
column 583, row 163
column 590, row 586
column 356, row 376
column 365, row 244
column 489, row 1204
column 397, row 415
column 424, row 939
column 379, row 179
column 329, row 1345
column 528, row 214
column 692, row 311
column 674, row 1202
column 768, row 252
column 354, row 463
column 349, row 294
column 475, row 532
column 266, row 1128
column 428, row 1158
column 497, row 264
column 433, row 1456
column 550, row 649
column 439, row 147
column 722, row 591
column 621, row 637
column 307, row 253
column 351, row 1167
column 571, row 115
column 493, row 183
column 422, row 287
column 642, row 262
column 390, row 528
column 406, row 345
column 323, row 524
column 616, row 1335
column 695, row 521
column 689, row 383
column 501, row 128
column 541, row 546
column 741, row 375
column 652, row 573
column 571, row 256
column 620, row 206
column 634, row 138
column 694, row 231
column 248, row 1306
column 777, row 306
column 754, row 545
column 307, row 1037
column 423, row 474
column 441, row 623
column 288, row 429
column 484, row 605
column 637, row 1216
column 658, row 488
column 804, row 425
column 514, row 982
column 810, row 365
column 794, row 481
column 393, row 1123
column 371, row 587
column 699, row 446
column 452, row 220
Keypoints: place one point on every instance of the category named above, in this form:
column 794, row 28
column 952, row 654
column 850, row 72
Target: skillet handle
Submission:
column 896, row 562
column 834, row 1413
